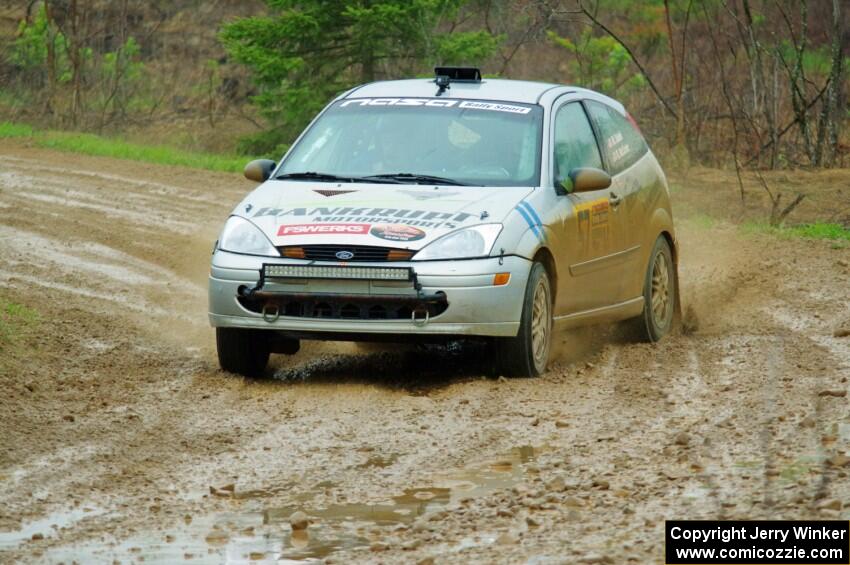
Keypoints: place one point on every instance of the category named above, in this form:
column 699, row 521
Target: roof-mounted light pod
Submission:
column 444, row 76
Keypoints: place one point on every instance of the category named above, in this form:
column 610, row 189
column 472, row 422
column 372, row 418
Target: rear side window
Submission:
column 575, row 144
column 621, row 141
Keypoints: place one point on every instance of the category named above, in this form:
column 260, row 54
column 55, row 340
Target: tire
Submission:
column 659, row 293
column 243, row 351
column 525, row 355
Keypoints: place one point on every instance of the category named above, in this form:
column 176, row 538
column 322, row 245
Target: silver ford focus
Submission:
column 446, row 208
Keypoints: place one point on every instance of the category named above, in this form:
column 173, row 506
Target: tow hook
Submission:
column 271, row 313
column 417, row 321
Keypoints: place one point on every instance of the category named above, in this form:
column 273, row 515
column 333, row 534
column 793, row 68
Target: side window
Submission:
column 621, row 141
column 575, row 144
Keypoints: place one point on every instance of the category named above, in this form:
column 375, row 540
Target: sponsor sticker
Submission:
column 593, row 225
column 397, row 232
column 495, row 107
column 348, row 216
column 599, row 213
column 323, row 229
column 614, row 140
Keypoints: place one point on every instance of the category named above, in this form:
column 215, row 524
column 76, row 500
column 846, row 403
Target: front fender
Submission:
column 530, row 243
column 523, row 235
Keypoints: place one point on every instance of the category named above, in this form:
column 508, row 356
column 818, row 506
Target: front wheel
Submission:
column 527, row 354
column 659, row 293
column 243, row 351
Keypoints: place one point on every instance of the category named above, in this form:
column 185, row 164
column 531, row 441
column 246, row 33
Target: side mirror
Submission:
column 585, row 179
column 259, row 170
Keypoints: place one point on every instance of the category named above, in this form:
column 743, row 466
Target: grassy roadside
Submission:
column 836, row 233
column 817, row 230
column 91, row 144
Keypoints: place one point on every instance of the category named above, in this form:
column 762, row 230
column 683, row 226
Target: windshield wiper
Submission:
column 328, row 177
column 418, row 179
column 312, row 175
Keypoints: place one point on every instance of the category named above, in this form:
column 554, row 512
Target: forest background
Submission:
column 734, row 84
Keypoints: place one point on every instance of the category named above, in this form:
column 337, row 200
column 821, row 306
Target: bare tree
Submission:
column 827, row 119
column 678, row 68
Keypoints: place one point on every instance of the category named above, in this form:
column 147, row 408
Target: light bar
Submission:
column 336, row 272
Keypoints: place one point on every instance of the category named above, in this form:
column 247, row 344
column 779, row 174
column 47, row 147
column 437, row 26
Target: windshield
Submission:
column 467, row 141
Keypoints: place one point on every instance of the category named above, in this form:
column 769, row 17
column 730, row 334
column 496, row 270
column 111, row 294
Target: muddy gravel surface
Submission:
column 121, row 439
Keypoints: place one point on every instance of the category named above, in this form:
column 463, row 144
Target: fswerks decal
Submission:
column 321, row 229
column 391, row 232
column 342, row 215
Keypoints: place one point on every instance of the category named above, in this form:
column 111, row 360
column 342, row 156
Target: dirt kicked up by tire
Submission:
column 122, row 439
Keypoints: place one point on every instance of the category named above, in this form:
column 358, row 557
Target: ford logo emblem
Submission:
column 344, row 255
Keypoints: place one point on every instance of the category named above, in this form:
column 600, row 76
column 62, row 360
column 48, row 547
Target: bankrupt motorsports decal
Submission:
column 369, row 215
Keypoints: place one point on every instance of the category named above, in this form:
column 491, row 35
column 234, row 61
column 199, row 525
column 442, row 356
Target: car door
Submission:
column 631, row 179
column 590, row 224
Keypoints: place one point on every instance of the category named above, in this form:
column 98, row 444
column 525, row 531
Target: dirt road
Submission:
column 122, row 440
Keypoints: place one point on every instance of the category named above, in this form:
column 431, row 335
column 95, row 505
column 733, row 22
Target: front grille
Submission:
column 361, row 253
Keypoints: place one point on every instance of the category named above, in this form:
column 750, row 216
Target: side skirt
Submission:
column 612, row 313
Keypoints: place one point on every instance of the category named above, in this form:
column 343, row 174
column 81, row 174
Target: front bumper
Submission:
column 474, row 306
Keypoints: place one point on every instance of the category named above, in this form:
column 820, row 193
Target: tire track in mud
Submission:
column 74, row 259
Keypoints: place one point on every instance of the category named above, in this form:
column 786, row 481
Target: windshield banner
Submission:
column 435, row 103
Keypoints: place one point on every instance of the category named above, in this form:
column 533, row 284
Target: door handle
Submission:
column 614, row 199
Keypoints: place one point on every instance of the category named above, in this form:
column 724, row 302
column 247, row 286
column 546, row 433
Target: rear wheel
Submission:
column 243, row 351
column 659, row 293
column 527, row 354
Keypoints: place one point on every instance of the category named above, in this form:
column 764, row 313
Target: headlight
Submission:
column 476, row 241
column 241, row 236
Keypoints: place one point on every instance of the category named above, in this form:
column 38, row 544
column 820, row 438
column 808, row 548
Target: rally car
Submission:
column 446, row 208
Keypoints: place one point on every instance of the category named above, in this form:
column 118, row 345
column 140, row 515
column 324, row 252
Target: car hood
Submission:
column 391, row 215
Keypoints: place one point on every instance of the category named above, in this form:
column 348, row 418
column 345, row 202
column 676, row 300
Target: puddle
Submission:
column 264, row 535
column 46, row 526
column 401, row 509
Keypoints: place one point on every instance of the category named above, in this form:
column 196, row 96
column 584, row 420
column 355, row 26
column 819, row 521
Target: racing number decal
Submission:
column 593, row 221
